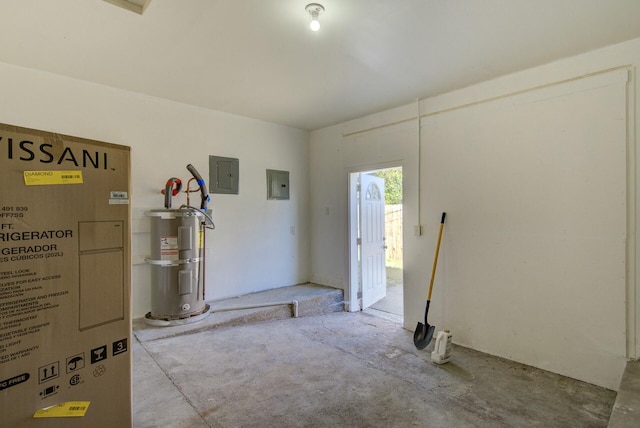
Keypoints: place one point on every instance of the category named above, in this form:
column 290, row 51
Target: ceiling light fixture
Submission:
column 314, row 10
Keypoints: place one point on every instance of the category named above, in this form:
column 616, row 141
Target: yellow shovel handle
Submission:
column 435, row 260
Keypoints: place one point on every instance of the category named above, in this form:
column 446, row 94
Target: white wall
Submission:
column 257, row 244
column 536, row 171
column 496, row 282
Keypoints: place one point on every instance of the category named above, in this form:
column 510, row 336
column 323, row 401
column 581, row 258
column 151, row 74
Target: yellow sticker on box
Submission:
column 69, row 409
column 42, row 178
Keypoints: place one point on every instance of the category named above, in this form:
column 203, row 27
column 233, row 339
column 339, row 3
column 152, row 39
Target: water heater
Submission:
column 177, row 258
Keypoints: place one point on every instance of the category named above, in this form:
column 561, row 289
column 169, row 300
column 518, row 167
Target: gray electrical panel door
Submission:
column 223, row 175
column 277, row 184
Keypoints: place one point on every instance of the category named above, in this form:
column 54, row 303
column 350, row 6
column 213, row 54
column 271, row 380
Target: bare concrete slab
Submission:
column 349, row 370
column 392, row 303
column 311, row 300
column 626, row 410
column 156, row 397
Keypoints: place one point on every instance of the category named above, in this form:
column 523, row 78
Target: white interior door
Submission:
column 372, row 242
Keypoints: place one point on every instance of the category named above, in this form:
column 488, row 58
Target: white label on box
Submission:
column 119, row 195
column 118, row 198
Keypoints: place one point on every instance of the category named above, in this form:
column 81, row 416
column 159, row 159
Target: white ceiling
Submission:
column 258, row 58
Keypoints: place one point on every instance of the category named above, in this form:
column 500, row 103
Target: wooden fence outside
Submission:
column 393, row 232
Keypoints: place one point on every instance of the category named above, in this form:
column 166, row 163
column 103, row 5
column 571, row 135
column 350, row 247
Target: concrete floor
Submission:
column 392, row 303
column 626, row 410
column 392, row 306
column 342, row 369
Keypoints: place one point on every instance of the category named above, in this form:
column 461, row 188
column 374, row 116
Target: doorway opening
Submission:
column 376, row 254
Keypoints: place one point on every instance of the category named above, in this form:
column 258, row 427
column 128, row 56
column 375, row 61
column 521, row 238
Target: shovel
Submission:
column 424, row 332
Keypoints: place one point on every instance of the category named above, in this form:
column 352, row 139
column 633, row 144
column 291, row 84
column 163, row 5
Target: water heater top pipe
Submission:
column 203, row 186
column 170, row 191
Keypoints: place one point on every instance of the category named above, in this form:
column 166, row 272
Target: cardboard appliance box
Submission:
column 65, row 278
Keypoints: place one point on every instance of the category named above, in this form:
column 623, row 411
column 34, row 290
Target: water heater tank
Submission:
column 177, row 267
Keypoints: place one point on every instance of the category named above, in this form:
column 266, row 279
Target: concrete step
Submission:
column 626, row 409
column 310, row 299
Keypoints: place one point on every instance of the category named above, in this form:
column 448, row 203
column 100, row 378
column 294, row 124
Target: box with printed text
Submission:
column 65, row 275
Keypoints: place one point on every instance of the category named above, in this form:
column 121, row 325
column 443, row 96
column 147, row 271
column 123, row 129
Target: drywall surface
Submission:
column 328, row 209
column 536, row 171
column 257, row 244
column 534, row 185
column 361, row 151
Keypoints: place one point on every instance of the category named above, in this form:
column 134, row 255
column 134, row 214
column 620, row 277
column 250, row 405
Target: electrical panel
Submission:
column 277, row 184
column 224, row 175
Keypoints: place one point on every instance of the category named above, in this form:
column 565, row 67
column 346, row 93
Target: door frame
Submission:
column 352, row 302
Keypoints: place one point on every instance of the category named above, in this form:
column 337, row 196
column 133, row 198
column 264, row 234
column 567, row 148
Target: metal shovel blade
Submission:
column 423, row 335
